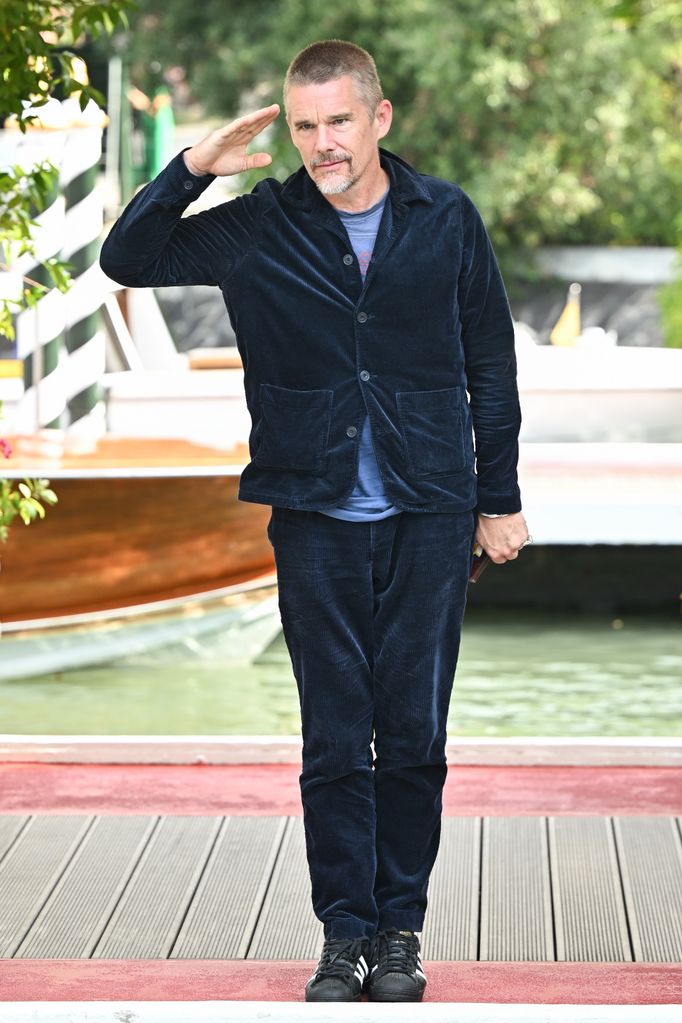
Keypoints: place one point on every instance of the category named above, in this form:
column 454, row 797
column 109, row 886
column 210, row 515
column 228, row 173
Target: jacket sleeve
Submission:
column 490, row 361
column 152, row 245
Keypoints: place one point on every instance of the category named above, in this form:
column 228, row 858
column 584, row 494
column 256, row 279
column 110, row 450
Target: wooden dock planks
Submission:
column 287, row 928
column 77, row 913
column 590, row 918
column 30, row 870
column 530, row 888
column 151, row 910
column 650, row 855
column 453, row 912
column 229, row 899
column 516, row 912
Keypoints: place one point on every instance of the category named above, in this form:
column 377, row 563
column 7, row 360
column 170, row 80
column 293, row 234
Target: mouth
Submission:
column 331, row 165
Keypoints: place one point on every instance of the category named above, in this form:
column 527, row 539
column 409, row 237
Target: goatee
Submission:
column 330, row 187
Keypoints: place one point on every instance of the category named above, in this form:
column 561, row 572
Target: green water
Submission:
column 530, row 674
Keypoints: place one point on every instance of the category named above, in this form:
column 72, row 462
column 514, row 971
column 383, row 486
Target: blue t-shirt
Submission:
column 368, row 500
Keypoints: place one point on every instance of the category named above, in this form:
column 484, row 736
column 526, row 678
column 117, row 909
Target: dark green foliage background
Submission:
column 560, row 117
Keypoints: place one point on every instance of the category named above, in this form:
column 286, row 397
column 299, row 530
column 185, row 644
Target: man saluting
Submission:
column 367, row 305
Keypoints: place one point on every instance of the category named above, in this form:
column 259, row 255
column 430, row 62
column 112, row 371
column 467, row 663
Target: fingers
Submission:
column 245, row 128
column 223, row 151
column 255, row 160
column 502, row 537
column 498, row 547
column 501, row 556
column 264, row 114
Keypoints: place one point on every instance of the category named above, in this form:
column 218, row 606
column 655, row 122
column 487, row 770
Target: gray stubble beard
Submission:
column 336, row 188
column 331, row 187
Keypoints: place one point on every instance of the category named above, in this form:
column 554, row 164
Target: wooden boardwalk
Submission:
column 591, row 889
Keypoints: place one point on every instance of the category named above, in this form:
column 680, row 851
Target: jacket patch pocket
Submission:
column 295, row 429
column 432, row 427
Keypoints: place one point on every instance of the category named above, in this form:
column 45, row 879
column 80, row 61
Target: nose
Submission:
column 324, row 140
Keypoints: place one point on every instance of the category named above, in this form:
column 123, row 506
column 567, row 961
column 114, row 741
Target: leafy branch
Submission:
column 35, row 36
column 26, row 500
column 23, row 194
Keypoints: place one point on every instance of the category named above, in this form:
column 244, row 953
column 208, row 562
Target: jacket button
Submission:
column 364, row 375
column 351, row 431
column 362, row 317
column 348, row 259
column 188, row 185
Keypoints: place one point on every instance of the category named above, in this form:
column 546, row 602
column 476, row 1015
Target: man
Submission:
column 366, row 301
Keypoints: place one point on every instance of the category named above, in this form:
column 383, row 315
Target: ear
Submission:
column 383, row 118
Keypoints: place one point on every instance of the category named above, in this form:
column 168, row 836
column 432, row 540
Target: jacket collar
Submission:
column 407, row 185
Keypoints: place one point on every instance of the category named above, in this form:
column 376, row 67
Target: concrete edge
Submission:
column 625, row 751
column 294, row 1012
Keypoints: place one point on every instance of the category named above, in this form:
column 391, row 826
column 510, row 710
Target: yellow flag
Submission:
column 566, row 330
column 11, row 368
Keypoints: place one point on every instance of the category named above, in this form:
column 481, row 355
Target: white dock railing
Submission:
column 60, row 342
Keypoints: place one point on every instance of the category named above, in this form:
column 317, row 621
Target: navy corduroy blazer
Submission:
column 425, row 346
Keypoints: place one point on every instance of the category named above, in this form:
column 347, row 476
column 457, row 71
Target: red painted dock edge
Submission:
column 272, row 789
column 34, row 980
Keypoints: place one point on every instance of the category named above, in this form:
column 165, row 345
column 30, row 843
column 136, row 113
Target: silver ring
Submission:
column 529, row 539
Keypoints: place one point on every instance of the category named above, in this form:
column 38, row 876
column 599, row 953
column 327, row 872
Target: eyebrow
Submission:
column 332, row 117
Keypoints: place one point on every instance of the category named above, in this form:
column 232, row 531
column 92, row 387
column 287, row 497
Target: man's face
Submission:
column 335, row 134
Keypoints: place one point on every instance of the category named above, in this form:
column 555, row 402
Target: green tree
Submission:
column 37, row 46
column 560, row 117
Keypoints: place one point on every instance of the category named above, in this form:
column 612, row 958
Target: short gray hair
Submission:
column 330, row 59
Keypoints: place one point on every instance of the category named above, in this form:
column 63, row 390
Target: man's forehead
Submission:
column 321, row 99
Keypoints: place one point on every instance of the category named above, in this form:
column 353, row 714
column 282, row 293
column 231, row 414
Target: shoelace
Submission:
column 339, row 957
column 396, row 952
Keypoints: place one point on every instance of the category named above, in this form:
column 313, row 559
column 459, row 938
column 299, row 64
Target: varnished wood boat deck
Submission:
column 61, row 456
column 138, row 522
column 516, row 889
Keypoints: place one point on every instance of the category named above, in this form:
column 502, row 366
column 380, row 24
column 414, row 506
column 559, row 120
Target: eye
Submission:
column 340, row 120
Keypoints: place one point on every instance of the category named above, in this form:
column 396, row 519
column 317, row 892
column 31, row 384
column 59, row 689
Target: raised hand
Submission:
column 223, row 152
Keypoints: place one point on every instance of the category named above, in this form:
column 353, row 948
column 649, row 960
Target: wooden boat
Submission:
column 140, row 523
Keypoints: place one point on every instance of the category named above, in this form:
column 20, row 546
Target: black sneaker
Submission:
column 341, row 972
column 397, row 974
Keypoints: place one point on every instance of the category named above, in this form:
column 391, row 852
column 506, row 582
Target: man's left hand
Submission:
column 502, row 538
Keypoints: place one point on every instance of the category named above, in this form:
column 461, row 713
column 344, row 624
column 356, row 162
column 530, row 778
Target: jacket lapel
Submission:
column 406, row 186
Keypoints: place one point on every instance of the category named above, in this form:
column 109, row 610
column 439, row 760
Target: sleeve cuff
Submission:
column 503, row 503
column 178, row 185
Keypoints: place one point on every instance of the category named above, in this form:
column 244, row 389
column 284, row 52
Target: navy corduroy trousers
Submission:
column 371, row 614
